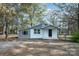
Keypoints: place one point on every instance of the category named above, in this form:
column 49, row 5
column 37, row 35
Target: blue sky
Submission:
column 52, row 6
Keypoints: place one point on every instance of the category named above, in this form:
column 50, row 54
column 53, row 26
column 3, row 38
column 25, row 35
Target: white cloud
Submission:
column 47, row 11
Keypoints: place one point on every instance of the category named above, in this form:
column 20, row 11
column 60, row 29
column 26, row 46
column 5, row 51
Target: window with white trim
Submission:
column 36, row 31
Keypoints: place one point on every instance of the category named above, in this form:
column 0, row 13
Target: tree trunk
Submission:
column 4, row 25
column 31, row 20
column 16, row 25
column 78, row 16
column 6, row 29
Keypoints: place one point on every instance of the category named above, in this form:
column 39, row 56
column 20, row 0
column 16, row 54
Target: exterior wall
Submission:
column 20, row 35
column 43, row 34
column 32, row 35
column 55, row 34
column 46, row 34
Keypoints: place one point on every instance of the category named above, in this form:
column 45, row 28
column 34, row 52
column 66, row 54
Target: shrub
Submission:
column 75, row 36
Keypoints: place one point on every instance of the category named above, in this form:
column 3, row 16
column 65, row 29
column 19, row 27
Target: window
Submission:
column 36, row 31
column 25, row 32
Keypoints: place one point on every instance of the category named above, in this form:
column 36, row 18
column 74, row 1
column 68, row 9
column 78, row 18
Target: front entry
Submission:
column 50, row 32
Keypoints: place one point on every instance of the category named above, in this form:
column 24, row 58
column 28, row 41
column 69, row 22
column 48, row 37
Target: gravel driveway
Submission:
column 38, row 48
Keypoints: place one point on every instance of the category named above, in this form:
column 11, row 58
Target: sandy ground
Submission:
column 38, row 48
column 9, row 36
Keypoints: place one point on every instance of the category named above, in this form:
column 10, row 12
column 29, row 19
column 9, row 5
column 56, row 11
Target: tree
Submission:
column 7, row 14
column 12, row 13
column 78, row 16
column 34, row 11
column 70, row 12
column 53, row 16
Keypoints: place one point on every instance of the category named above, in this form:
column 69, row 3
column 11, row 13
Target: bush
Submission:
column 75, row 37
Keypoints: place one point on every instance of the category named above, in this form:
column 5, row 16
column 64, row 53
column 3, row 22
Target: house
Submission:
column 40, row 31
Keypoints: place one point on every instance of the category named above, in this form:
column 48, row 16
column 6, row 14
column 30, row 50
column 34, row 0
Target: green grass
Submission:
column 75, row 37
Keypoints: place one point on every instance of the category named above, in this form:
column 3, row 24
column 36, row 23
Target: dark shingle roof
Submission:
column 42, row 26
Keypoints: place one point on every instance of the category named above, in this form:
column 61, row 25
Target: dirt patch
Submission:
column 38, row 48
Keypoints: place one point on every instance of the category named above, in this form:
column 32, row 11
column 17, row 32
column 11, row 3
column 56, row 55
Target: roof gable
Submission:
column 42, row 26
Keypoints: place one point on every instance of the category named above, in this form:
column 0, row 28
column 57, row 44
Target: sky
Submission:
column 52, row 6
